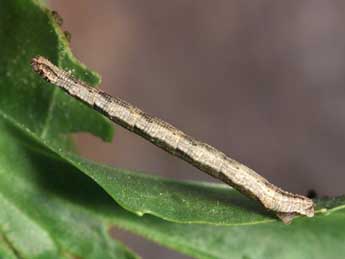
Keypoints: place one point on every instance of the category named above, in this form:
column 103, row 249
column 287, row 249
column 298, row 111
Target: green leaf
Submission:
column 47, row 197
column 27, row 30
column 43, row 212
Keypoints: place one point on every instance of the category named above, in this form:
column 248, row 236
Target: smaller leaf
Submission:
column 29, row 29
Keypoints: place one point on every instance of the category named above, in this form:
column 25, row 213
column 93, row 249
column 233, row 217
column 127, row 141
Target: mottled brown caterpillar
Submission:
column 206, row 158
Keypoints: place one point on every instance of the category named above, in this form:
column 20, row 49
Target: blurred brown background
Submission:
column 261, row 80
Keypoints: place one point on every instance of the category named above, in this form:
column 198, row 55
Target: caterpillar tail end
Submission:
column 287, row 217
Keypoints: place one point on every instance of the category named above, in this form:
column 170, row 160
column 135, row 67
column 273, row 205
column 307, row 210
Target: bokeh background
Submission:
column 261, row 80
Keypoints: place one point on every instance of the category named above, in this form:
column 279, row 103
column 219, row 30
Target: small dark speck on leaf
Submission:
column 68, row 36
column 57, row 17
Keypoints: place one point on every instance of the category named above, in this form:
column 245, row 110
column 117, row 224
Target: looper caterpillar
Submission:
column 206, row 158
